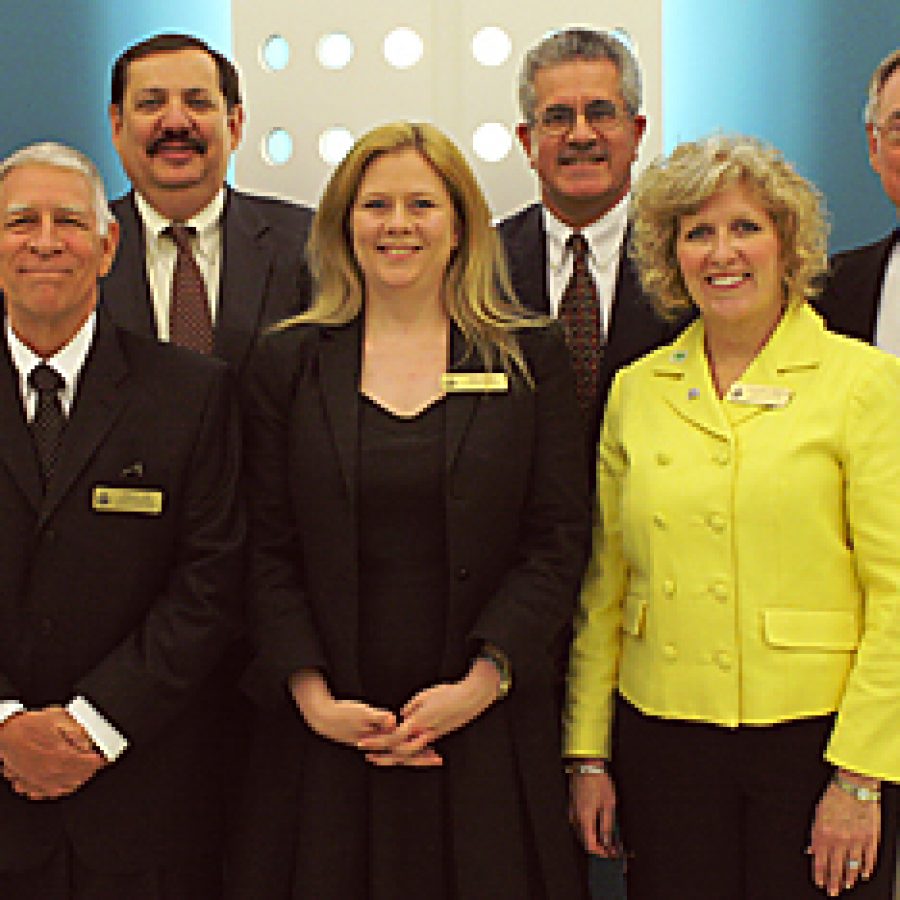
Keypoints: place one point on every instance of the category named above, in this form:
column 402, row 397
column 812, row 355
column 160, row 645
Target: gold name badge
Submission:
column 760, row 395
column 127, row 500
column 474, row 382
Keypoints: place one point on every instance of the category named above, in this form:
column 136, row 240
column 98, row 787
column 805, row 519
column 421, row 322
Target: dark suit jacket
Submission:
column 517, row 524
column 634, row 327
column 264, row 277
column 852, row 293
column 131, row 610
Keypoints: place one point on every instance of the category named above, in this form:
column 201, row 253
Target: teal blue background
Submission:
column 792, row 72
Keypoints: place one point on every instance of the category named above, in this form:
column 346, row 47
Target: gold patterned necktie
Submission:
column 190, row 321
column 579, row 311
column 49, row 420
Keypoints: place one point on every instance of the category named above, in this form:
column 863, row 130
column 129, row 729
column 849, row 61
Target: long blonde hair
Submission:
column 478, row 294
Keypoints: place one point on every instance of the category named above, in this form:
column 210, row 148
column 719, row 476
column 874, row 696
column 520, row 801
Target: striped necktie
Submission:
column 49, row 419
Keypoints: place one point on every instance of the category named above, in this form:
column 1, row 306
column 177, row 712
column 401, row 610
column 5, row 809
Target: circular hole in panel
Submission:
column 278, row 147
column 491, row 46
column 275, row 53
column 403, row 48
column 492, row 141
column 335, row 50
column 335, row 144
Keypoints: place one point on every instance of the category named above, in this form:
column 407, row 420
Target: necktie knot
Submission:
column 578, row 244
column 45, row 379
column 181, row 235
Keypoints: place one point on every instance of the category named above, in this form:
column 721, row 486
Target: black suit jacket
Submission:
column 634, row 327
column 852, row 293
column 517, row 526
column 131, row 610
column 264, row 277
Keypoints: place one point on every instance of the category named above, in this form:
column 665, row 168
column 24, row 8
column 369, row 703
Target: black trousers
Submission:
column 712, row 813
column 66, row 877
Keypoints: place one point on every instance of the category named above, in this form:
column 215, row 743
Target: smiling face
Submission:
column 51, row 253
column 174, row 132
column 403, row 225
column 585, row 171
column 729, row 256
column 883, row 155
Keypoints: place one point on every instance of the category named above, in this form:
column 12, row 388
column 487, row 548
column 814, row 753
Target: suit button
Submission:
column 670, row 652
column 720, row 592
column 462, row 573
column 724, row 661
column 46, row 625
column 668, row 587
column 722, row 458
column 716, row 522
column 663, row 459
column 659, row 520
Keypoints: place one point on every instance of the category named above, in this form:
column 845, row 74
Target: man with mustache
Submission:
column 580, row 99
column 200, row 263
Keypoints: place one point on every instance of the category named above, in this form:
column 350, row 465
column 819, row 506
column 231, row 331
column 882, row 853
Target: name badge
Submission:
column 475, row 382
column 760, row 395
column 127, row 500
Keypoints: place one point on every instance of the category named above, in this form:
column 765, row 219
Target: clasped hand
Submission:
column 385, row 739
column 46, row 754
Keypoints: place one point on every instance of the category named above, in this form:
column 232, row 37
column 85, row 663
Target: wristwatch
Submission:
column 500, row 661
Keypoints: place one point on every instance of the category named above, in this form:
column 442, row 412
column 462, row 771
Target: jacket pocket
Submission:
column 634, row 614
column 836, row 630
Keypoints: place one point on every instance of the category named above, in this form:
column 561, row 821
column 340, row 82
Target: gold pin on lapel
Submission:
column 475, row 382
column 127, row 500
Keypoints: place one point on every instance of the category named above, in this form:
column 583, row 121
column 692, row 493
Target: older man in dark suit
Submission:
column 199, row 263
column 580, row 100
column 119, row 563
column 862, row 295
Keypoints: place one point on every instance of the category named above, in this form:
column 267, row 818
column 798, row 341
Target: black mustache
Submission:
column 182, row 138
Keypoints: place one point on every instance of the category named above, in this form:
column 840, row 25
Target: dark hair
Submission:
column 229, row 83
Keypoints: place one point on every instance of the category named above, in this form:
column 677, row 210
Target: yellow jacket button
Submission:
column 669, row 651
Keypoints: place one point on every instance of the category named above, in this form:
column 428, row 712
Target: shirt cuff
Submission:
column 110, row 742
column 8, row 708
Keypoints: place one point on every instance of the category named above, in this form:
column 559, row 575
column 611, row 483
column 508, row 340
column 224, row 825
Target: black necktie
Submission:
column 49, row 420
column 579, row 312
column 190, row 321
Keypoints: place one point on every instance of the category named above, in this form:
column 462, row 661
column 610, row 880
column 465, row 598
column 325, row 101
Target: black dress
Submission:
column 400, row 830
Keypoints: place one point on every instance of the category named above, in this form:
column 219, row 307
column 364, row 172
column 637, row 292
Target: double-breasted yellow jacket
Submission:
column 746, row 565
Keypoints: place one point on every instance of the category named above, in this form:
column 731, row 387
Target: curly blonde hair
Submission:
column 478, row 295
column 672, row 188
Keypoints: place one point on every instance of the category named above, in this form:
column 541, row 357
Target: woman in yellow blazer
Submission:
column 737, row 653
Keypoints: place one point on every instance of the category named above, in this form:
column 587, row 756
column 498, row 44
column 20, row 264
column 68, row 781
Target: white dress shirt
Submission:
column 604, row 238
column 68, row 361
column 161, row 252
column 887, row 330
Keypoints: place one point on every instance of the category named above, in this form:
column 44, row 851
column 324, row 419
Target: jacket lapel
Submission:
column 246, row 261
column 527, row 260
column 98, row 403
column 125, row 292
column 17, row 451
column 683, row 372
column 340, row 353
column 459, row 407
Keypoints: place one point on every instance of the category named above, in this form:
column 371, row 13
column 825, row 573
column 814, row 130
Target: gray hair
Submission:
column 579, row 44
column 59, row 156
column 879, row 78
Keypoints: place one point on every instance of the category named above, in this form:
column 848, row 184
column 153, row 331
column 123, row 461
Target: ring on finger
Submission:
column 853, row 864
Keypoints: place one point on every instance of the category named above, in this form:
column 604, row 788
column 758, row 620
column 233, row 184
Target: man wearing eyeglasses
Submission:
column 580, row 100
column 862, row 296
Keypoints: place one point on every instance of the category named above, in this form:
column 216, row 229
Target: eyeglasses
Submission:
column 889, row 131
column 600, row 115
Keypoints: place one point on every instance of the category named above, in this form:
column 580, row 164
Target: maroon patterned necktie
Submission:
column 190, row 321
column 49, row 419
column 579, row 311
